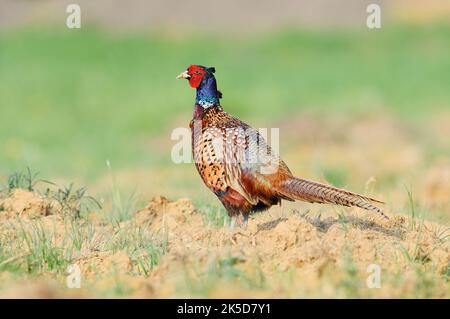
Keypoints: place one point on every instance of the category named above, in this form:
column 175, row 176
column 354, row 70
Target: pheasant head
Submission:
column 202, row 79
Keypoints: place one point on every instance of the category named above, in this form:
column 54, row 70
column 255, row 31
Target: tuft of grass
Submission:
column 23, row 180
column 417, row 256
column 412, row 208
column 214, row 215
column 143, row 247
column 122, row 206
column 42, row 254
column 74, row 201
column 417, row 223
column 80, row 233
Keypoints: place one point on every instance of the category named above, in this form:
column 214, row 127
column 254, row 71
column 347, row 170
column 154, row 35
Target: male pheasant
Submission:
column 236, row 163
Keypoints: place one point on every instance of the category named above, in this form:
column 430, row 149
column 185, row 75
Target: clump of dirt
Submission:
column 289, row 255
column 162, row 214
column 27, row 204
column 100, row 263
column 289, row 243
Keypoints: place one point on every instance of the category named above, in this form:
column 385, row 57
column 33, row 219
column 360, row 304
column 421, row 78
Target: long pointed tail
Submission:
column 313, row 192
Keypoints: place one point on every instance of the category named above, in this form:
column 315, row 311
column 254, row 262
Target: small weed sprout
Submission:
column 24, row 180
column 412, row 208
column 74, row 201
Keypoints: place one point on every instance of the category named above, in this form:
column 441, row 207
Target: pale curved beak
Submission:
column 183, row 75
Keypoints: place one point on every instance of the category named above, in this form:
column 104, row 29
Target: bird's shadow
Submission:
column 323, row 225
column 271, row 224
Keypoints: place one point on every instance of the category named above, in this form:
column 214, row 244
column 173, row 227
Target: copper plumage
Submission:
column 235, row 162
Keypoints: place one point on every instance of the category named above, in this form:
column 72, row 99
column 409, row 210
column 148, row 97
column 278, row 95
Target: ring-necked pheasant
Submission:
column 236, row 163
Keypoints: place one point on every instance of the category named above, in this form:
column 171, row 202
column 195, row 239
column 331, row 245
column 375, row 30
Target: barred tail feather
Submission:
column 313, row 192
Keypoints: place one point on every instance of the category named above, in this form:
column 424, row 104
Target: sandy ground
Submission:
column 282, row 254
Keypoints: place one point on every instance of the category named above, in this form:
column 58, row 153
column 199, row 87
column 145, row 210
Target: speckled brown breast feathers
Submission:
column 223, row 149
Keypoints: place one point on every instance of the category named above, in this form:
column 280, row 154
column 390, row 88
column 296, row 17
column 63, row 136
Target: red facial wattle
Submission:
column 196, row 74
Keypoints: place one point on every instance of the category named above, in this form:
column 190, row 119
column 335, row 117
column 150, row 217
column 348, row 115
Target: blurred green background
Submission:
column 73, row 99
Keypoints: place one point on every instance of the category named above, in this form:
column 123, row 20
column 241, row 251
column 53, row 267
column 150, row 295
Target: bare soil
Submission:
column 284, row 255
